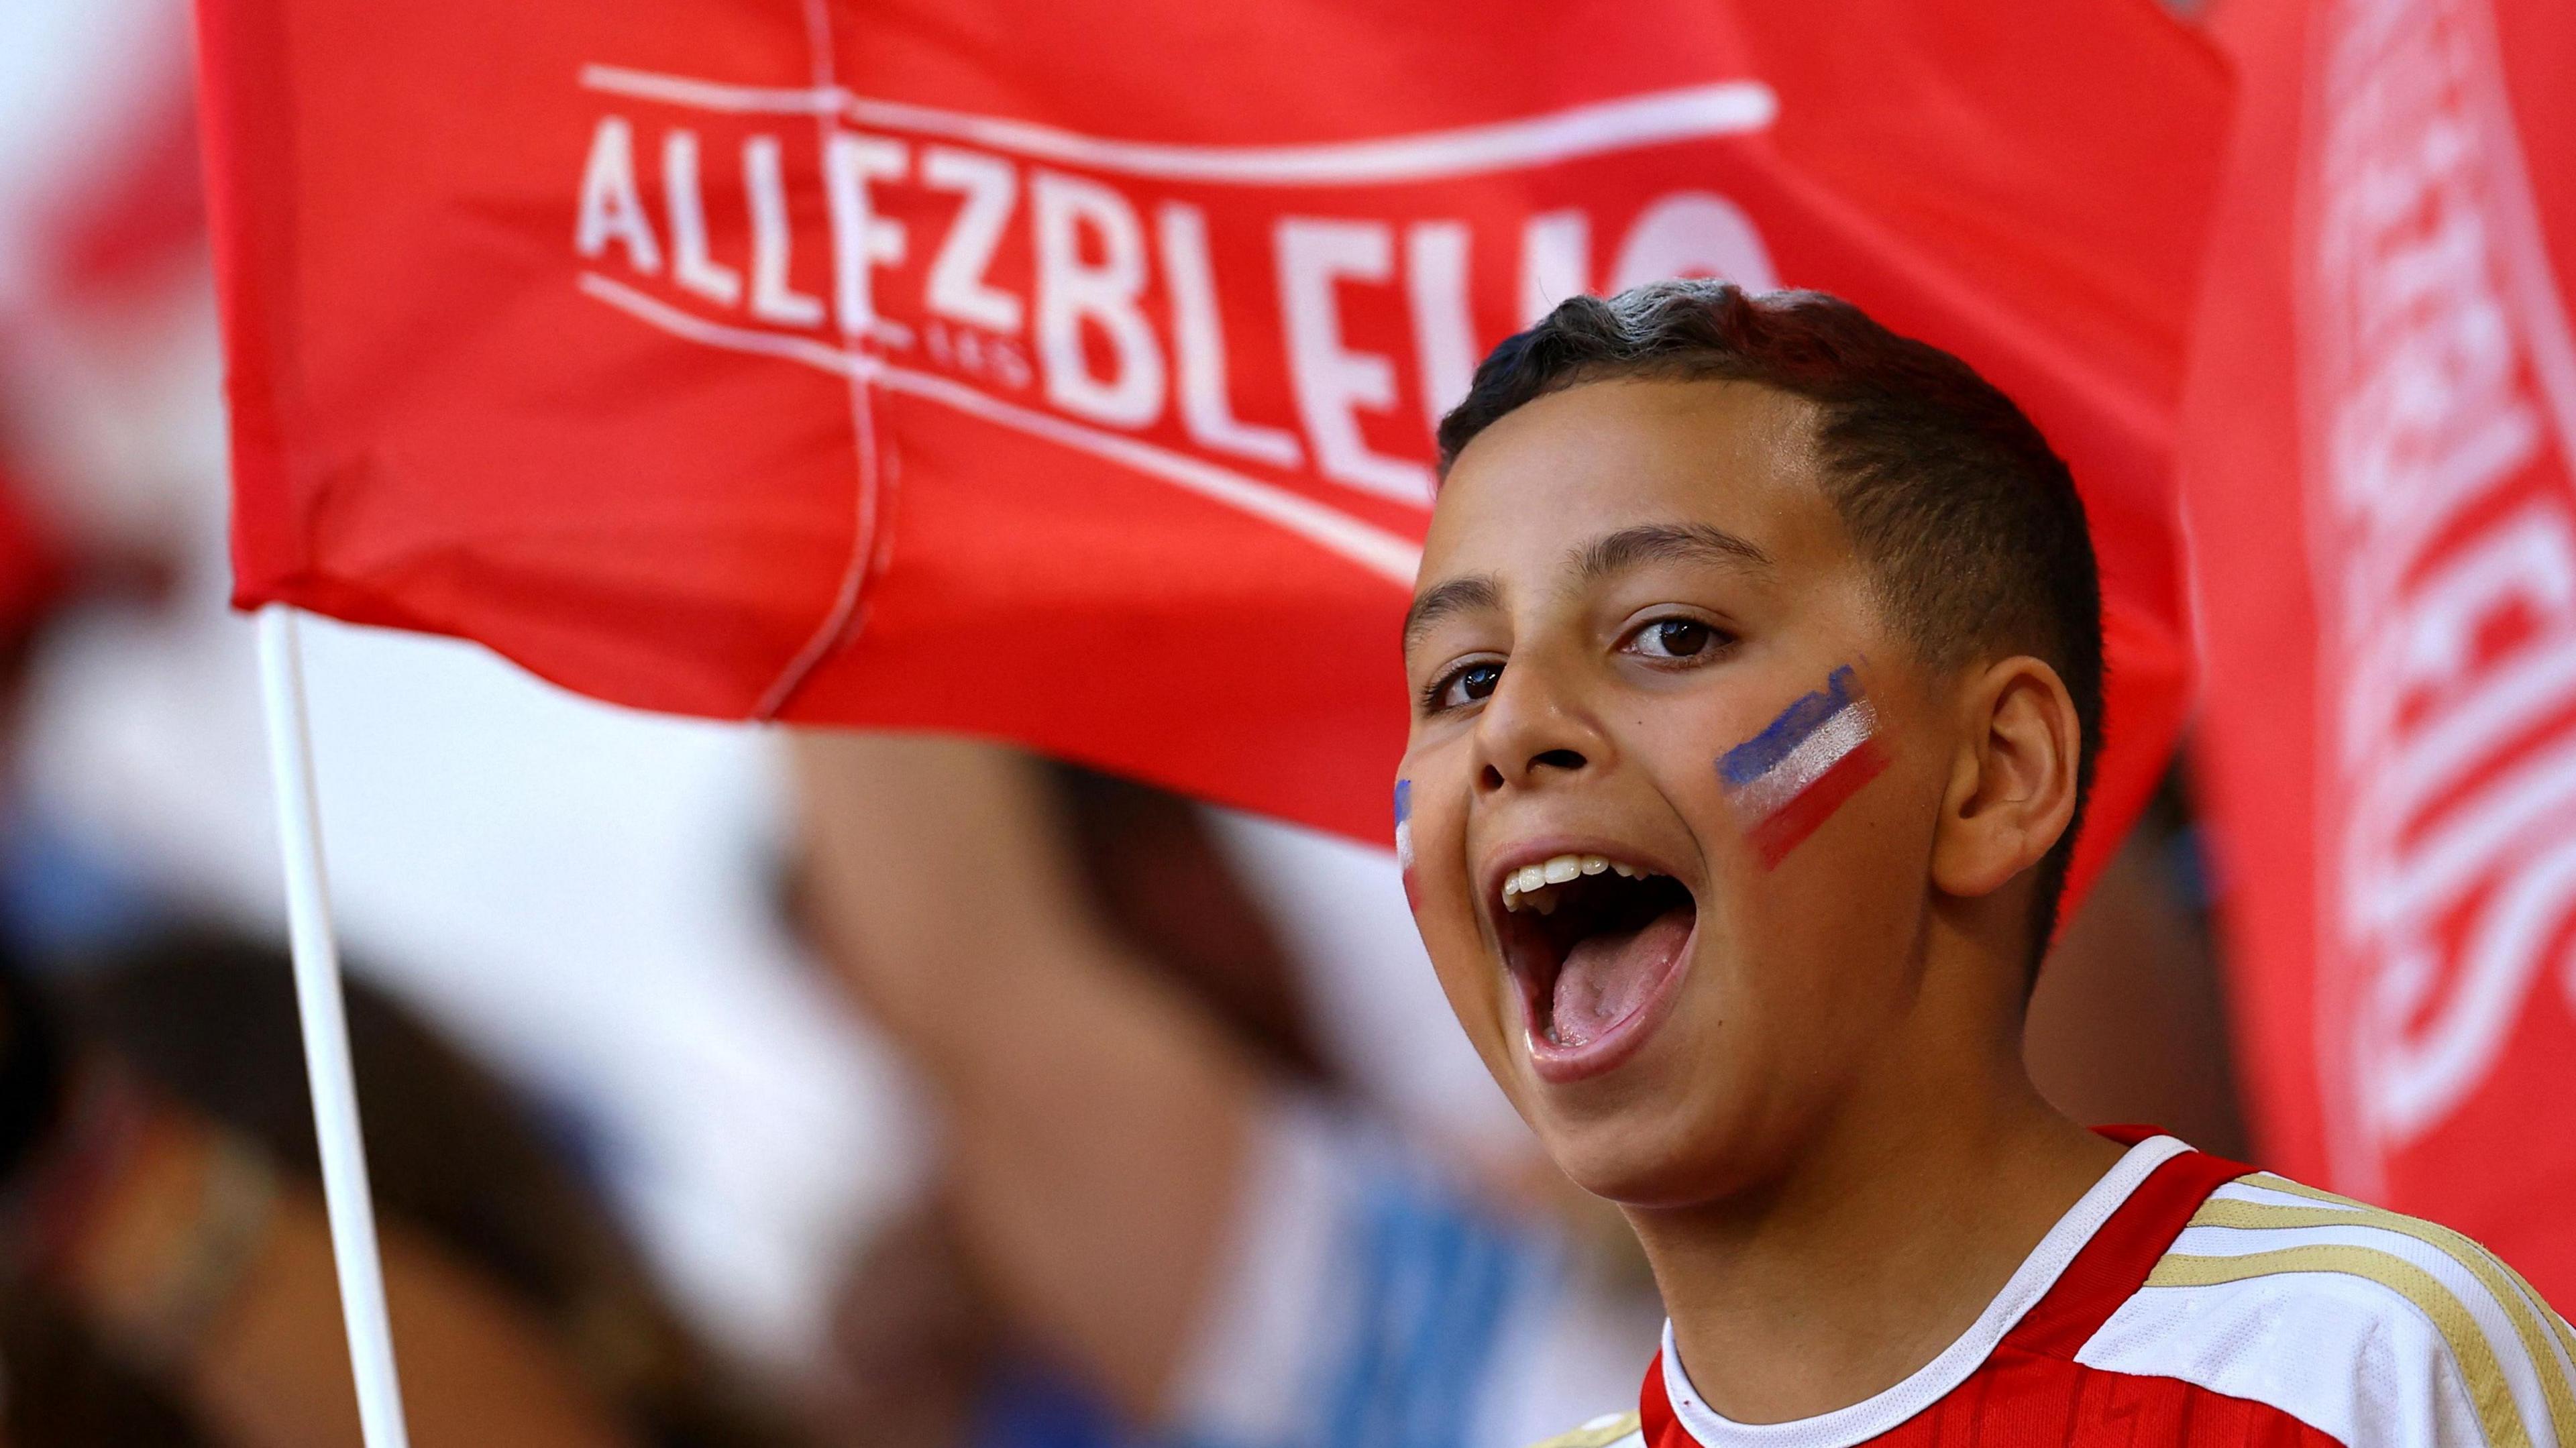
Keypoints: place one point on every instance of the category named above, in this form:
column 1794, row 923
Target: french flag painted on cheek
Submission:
column 1791, row 777
column 1404, row 837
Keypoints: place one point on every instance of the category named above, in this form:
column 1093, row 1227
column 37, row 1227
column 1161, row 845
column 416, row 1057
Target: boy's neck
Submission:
column 1839, row 1276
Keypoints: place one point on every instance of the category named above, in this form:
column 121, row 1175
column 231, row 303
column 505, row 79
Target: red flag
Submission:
column 2380, row 436
column 1066, row 373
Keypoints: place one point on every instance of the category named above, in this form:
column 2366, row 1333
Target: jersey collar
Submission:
column 1668, row 1398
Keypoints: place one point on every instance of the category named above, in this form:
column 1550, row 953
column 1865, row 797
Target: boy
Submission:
column 1756, row 664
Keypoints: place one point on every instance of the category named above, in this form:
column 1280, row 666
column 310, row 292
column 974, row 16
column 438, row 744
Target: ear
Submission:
column 2012, row 785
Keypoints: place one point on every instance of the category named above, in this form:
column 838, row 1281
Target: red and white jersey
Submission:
column 2188, row 1300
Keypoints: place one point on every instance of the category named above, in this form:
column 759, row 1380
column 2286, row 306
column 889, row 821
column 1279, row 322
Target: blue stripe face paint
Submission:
column 1788, row 780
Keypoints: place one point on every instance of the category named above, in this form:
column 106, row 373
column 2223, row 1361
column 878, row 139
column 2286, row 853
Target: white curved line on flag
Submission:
column 1720, row 108
column 1385, row 554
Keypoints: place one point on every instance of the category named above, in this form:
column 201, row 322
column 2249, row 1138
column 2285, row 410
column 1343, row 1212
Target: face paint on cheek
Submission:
column 1404, row 841
column 1791, row 777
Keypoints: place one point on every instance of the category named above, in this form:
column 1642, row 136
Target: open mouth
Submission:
column 1593, row 941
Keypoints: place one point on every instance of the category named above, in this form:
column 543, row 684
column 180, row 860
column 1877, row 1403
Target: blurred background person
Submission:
column 1159, row 1162
column 164, row 1228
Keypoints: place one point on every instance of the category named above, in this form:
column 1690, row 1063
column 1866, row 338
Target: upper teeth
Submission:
column 1529, row 884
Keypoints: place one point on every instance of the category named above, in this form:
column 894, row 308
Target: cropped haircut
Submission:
column 1966, row 520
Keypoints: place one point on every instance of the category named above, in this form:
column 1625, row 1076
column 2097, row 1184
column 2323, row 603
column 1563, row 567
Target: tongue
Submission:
column 1607, row 976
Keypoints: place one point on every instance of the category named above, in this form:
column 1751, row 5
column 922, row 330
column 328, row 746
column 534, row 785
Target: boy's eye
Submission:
column 1466, row 685
column 1674, row 638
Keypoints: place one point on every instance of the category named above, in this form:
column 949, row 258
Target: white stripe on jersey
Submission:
column 2324, row 1350
column 2372, row 1328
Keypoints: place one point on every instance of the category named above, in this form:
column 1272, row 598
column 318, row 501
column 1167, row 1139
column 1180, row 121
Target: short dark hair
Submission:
column 1967, row 520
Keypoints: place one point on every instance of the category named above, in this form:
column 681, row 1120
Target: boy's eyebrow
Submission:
column 1457, row 595
column 1665, row 542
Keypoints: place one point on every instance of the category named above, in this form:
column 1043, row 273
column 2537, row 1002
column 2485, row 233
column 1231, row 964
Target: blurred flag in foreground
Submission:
column 1067, row 373
column 2381, row 478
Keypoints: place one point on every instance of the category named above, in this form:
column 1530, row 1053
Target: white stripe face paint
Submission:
column 1846, row 731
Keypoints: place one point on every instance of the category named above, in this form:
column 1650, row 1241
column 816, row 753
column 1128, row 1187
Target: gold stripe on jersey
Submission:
column 2557, row 1320
column 1599, row 1433
column 2527, row 1324
column 2549, row 1315
column 2499, row 1420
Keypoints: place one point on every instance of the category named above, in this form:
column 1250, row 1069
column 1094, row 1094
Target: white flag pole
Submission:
column 326, row 1035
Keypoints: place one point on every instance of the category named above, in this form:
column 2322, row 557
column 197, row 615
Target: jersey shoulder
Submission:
column 2368, row 1326
column 1610, row 1430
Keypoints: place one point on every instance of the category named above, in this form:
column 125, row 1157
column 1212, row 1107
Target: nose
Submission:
column 1533, row 732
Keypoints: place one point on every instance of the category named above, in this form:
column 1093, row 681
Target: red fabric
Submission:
column 2114, row 1265
column 450, row 415
column 2031, row 1392
column 2378, row 472
column 1786, row 827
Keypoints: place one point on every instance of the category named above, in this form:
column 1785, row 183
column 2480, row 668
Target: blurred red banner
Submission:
column 1067, row 373
column 2380, row 435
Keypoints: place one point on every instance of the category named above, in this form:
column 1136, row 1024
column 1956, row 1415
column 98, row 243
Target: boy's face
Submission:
column 1642, row 636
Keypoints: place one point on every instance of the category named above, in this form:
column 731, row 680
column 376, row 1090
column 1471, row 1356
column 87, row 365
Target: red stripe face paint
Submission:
column 1789, row 779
